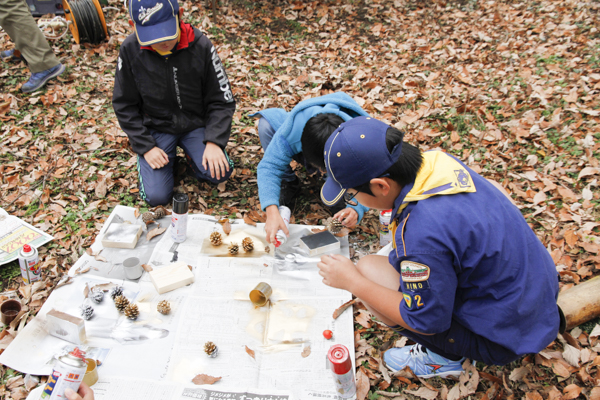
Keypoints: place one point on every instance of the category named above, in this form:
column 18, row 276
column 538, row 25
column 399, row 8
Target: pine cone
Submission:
column 121, row 302
column 87, row 312
column 335, row 226
column 215, row 238
column 233, row 249
column 164, row 307
column 148, row 217
column 248, row 244
column 116, row 292
column 160, row 212
column 211, row 349
column 97, row 296
column 132, row 311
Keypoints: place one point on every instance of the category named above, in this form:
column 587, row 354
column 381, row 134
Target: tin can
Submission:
column 30, row 264
column 280, row 237
column 385, row 235
column 181, row 204
column 340, row 364
column 68, row 373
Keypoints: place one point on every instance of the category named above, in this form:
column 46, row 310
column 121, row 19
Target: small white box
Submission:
column 319, row 243
column 171, row 277
column 65, row 326
column 122, row 236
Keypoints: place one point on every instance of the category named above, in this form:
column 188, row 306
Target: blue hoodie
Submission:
column 287, row 140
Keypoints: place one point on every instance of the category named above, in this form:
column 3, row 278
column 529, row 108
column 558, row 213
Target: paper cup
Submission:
column 133, row 268
column 9, row 310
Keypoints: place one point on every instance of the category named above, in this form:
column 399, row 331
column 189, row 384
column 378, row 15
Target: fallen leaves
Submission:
column 250, row 352
column 155, row 232
column 305, row 352
column 203, row 379
column 343, row 308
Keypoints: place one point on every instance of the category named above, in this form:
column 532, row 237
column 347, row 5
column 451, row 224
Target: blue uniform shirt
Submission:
column 465, row 252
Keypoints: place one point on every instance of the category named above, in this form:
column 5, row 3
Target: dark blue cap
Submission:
column 354, row 154
column 154, row 20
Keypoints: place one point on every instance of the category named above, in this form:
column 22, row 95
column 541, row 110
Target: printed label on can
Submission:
column 280, row 237
column 385, row 235
column 63, row 376
column 345, row 385
column 178, row 227
column 29, row 263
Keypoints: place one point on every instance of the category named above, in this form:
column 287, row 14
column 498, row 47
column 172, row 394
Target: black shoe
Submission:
column 337, row 208
column 289, row 191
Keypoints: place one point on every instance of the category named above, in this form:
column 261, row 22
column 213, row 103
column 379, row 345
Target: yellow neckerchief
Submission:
column 440, row 174
column 168, row 53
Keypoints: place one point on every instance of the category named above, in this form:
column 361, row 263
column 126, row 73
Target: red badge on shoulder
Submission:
column 414, row 272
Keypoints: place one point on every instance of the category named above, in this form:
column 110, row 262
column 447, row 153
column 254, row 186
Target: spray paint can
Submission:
column 181, row 204
column 280, row 237
column 340, row 364
column 385, row 235
column 67, row 373
column 30, row 264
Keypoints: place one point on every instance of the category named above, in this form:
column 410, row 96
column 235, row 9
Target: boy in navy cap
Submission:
column 467, row 277
column 171, row 90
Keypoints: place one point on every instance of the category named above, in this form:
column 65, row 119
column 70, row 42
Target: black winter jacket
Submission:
column 175, row 95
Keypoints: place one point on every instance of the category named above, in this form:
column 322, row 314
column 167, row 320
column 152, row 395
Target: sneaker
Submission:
column 289, row 191
column 423, row 362
column 11, row 55
column 39, row 79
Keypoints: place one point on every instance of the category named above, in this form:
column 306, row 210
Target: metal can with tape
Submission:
column 68, row 372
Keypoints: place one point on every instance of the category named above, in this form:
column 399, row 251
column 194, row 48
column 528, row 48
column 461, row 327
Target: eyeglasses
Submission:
column 349, row 198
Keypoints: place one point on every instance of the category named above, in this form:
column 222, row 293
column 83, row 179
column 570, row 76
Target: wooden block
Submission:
column 171, row 277
column 319, row 243
column 122, row 236
column 65, row 326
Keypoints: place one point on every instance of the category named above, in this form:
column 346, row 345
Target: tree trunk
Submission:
column 581, row 303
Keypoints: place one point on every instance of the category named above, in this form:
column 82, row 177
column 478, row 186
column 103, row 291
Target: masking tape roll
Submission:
column 259, row 296
column 91, row 374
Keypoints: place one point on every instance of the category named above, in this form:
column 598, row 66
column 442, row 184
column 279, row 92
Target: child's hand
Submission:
column 156, row 157
column 338, row 271
column 274, row 223
column 84, row 393
column 214, row 160
column 348, row 216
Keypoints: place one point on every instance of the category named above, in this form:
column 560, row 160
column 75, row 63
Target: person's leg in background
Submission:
column 193, row 145
column 290, row 184
column 156, row 185
column 19, row 24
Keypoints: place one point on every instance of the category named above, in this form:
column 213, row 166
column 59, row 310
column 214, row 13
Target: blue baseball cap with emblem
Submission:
column 154, row 20
column 355, row 153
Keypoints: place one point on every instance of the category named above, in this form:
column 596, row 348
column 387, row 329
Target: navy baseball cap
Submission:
column 154, row 20
column 354, row 154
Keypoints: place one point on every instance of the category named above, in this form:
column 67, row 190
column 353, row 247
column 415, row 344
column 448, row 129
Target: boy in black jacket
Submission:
column 172, row 90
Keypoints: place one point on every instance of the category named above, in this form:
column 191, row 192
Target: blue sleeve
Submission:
column 360, row 210
column 428, row 298
column 270, row 170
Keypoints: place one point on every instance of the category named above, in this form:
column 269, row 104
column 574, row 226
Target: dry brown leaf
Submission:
column 147, row 267
column 362, row 384
column 136, row 212
column 227, row 227
column 305, row 352
column 250, row 352
column 248, row 220
column 364, row 318
column 155, row 232
column 343, row 232
column 425, row 393
column 343, row 308
column 572, row 391
column 318, row 230
column 203, row 379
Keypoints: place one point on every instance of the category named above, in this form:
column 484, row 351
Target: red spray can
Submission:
column 340, row 363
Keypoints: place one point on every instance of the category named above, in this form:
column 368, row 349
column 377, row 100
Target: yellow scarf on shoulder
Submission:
column 440, row 174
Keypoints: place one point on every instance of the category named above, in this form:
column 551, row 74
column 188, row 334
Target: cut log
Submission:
column 581, row 303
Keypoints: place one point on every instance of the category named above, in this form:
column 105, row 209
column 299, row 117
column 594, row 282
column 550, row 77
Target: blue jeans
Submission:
column 156, row 185
column 265, row 134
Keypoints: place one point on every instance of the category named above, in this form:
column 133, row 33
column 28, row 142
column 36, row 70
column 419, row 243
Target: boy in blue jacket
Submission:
column 467, row 277
column 281, row 135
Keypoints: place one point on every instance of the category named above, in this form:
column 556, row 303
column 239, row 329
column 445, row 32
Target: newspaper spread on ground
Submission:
column 14, row 233
column 274, row 350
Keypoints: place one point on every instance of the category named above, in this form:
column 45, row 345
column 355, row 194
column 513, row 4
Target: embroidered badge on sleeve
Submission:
column 414, row 272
